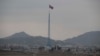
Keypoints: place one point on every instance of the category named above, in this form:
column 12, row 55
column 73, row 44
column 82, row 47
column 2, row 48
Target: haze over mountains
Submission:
column 88, row 39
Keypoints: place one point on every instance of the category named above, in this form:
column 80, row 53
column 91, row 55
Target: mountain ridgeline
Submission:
column 88, row 39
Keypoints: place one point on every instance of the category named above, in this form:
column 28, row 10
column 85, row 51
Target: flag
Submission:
column 51, row 7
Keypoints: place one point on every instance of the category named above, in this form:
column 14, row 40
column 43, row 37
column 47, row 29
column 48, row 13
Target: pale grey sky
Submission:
column 69, row 18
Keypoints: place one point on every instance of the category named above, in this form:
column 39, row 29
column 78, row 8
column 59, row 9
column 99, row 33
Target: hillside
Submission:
column 26, row 39
column 89, row 38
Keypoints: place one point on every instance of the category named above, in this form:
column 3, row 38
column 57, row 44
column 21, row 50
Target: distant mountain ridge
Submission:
column 24, row 38
column 89, row 39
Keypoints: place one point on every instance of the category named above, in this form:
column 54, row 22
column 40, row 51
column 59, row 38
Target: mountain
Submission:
column 25, row 39
column 89, row 39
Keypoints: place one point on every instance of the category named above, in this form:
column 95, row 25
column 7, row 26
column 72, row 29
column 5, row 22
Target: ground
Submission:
column 54, row 53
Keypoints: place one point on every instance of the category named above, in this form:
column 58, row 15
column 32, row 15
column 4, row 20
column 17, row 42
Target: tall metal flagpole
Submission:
column 49, row 44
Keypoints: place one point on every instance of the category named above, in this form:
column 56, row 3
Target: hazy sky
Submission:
column 69, row 18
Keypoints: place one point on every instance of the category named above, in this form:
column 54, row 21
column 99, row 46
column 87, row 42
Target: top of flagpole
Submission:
column 50, row 7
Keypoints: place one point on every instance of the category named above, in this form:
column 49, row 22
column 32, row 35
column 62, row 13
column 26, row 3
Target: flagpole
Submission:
column 49, row 42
